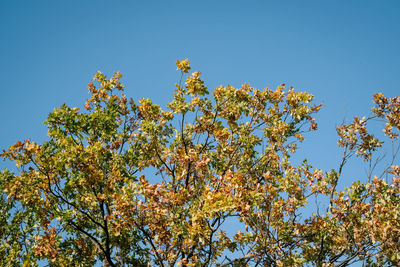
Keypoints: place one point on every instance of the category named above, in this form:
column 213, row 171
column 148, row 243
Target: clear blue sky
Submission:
column 341, row 51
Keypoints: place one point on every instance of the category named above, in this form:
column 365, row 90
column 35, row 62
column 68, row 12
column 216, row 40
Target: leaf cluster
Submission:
column 128, row 183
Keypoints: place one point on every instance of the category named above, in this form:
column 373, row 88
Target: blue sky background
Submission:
column 340, row 51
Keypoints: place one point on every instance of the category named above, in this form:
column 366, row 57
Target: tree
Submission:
column 128, row 183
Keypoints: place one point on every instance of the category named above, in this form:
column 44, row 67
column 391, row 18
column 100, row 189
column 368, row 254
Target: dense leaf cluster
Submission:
column 131, row 184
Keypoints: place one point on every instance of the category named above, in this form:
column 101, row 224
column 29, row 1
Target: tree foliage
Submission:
column 126, row 183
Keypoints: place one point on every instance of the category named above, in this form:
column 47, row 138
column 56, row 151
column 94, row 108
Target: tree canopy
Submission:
column 206, row 181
